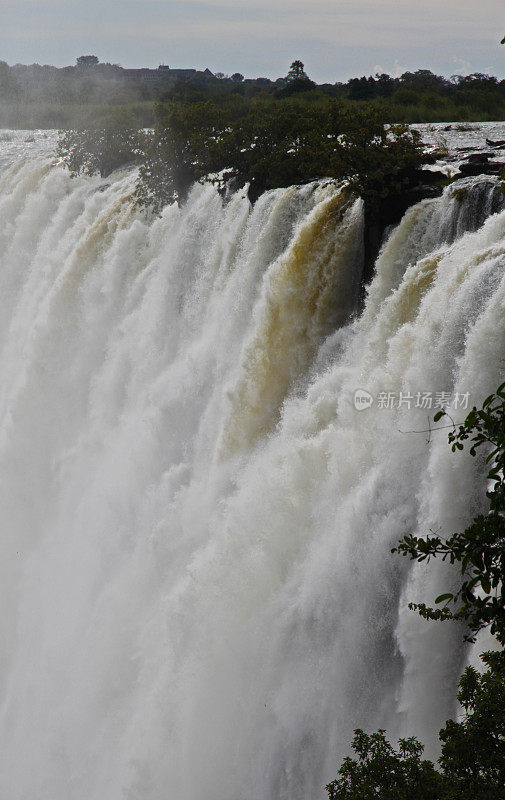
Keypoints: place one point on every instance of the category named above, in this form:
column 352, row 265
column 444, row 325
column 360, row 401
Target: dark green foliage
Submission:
column 115, row 142
column 296, row 81
column 480, row 549
column 297, row 72
column 295, row 87
column 473, row 750
column 264, row 144
column 181, row 151
column 270, row 146
column 277, row 144
column 379, row 771
column 87, row 61
column 472, row 764
column 378, row 160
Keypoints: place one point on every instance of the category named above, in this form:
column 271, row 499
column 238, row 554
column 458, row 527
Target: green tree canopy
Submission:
column 473, row 750
column 266, row 145
column 380, row 771
column 472, row 763
column 113, row 142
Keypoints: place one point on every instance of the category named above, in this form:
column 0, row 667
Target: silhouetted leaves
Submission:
column 380, row 771
column 480, row 549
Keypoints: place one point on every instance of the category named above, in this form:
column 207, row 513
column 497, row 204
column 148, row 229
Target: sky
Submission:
column 336, row 39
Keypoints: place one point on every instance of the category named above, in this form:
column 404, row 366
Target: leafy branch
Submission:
column 480, row 549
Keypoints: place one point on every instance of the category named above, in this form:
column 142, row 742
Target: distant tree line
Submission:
column 45, row 96
column 419, row 96
column 38, row 96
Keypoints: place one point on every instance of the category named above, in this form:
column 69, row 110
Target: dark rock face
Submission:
column 480, row 158
column 479, row 164
column 476, row 199
column 481, row 168
column 427, row 184
column 424, row 184
column 430, row 177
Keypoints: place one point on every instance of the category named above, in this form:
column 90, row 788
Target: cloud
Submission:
column 398, row 69
column 463, row 66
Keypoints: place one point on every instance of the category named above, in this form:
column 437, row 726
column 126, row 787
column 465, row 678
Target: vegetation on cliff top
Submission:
column 248, row 141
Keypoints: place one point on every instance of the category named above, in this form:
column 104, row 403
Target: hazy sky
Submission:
column 336, row 39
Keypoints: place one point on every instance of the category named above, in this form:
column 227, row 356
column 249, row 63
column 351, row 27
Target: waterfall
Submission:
column 197, row 591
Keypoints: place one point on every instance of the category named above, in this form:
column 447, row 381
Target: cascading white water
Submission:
column 197, row 593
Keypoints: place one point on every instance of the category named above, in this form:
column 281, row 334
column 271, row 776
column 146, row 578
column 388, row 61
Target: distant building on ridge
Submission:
column 163, row 72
